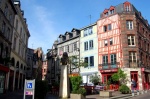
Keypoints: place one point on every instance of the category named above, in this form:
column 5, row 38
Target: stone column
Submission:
column 64, row 90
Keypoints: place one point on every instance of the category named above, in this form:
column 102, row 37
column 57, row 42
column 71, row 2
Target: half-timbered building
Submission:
column 123, row 42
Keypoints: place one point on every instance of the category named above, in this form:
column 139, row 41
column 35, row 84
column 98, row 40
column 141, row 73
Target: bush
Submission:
column 124, row 89
column 41, row 88
column 75, row 83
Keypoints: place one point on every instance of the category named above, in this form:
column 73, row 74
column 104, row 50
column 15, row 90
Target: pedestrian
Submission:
column 133, row 85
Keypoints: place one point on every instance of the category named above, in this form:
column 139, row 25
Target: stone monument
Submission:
column 64, row 90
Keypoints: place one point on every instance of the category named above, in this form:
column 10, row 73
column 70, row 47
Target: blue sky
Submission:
column 47, row 19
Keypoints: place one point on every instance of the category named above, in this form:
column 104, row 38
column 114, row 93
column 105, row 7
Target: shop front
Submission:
column 146, row 78
column 106, row 78
column 3, row 71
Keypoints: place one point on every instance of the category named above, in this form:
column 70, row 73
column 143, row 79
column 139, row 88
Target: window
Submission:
column 3, row 27
column 67, row 48
column 131, row 40
column 90, row 30
column 111, row 41
column 85, row 46
column 91, row 60
column 111, row 11
column 6, row 10
column 75, row 46
column 105, row 42
column 86, row 59
column 85, row 32
column 106, row 14
column 109, row 26
column 113, row 58
column 105, row 59
column 8, row 34
column 129, row 24
column 105, row 28
column 132, row 56
column 138, row 27
column 16, row 24
column 14, row 44
column 91, row 44
column 127, row 8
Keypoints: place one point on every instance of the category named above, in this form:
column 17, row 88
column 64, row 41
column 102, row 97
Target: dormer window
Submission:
column 112, row 11
column 106, row 14
column 127, row 8
column 85, row 32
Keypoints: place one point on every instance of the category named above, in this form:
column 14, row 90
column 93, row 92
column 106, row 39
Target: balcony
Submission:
column 108, row 66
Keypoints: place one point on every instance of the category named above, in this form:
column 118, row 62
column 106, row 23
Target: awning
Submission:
column 88, row 73
column 4, row 68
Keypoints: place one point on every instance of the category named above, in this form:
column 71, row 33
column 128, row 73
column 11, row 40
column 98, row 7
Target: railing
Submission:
column 108, row 66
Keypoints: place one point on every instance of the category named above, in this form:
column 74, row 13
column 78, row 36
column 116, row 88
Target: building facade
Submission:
column 53, row 63
column 69, row 42
column 123, row 42
column 17, row 73
column 29, row 73
column 7, row 16
column 44, row 67
column 89, row 52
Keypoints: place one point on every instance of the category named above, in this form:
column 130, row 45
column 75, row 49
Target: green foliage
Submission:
column 95, row 79
column 75, row 83
column 76, row 62
column 124, row 89
column 41, row 88
column 119, row 76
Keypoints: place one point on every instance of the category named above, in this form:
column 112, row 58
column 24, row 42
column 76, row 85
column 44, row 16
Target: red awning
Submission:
column 4, row 68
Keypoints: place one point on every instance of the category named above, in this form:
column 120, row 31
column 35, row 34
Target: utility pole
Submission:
column 90, row 18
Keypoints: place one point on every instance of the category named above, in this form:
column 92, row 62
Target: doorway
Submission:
column 134, row 75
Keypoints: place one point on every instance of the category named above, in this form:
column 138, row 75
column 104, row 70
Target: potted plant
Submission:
column 124, row 89
column 77, row 91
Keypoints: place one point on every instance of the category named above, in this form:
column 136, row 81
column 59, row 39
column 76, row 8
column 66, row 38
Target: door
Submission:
column 2, row 80
column 134, row 75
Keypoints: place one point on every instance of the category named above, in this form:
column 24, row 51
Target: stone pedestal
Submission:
column 64, row 90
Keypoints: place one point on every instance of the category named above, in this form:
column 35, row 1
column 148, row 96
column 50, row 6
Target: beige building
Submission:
column 17, row 73
column 7, row 14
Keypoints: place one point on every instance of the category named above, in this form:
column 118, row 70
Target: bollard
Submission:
column 142, row 92
column 145, row 91
column 138, row 92
column 132, row 93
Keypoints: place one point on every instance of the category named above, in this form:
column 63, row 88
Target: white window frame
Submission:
column 132, row 56
column 105, row 42
column 129, row 24
column 86, row 45
column 131, row 40
column 91, row 44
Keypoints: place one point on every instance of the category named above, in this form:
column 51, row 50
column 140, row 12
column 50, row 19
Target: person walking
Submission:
column 133, row 85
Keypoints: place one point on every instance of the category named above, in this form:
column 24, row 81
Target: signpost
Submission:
column 29, row 87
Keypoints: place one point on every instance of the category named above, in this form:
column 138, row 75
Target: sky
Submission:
column 47, row 19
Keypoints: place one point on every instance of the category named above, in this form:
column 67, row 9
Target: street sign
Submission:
column 29, row 93
column 29, row 87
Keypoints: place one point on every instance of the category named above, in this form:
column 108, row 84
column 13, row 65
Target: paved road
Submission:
column 143, row 96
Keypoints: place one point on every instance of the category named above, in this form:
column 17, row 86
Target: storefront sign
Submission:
column 109, row 70
column 29, row 87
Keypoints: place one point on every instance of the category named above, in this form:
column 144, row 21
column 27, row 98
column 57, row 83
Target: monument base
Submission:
column 64, row 82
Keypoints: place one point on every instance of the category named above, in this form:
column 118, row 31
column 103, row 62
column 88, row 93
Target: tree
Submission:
column 76, row 63
column 119, row 76
column 95, row 79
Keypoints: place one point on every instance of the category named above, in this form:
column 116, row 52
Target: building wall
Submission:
column 89, row 70
column 7, row 14
column 19, row 47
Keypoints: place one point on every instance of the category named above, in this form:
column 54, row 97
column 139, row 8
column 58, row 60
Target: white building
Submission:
column 89, row 51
